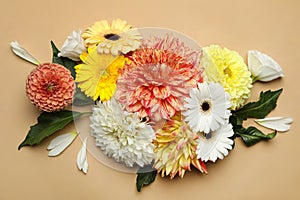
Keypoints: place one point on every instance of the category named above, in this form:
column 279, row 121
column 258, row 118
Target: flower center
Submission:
column 112, row 36
column 228, row 71
column 208, row 135
column 205, row 106
column 50, row 87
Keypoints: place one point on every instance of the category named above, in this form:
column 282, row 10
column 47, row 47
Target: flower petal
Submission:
column 276, row 123
column 82, row 163
column 23, row 53
column 60, row 143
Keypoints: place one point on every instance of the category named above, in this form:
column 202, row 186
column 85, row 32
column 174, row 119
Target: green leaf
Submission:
column 66, row 62
column 235, row 120
column 252, row 135
column 261, row 108
column 145, row 176
column 80, row 99
column 48, row 123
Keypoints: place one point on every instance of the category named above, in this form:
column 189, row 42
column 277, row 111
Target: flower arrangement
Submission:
column 156, row 102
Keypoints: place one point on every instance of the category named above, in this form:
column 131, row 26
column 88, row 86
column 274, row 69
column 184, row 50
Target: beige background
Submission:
column 269, row 170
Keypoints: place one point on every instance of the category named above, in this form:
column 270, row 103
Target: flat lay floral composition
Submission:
column 153, row 100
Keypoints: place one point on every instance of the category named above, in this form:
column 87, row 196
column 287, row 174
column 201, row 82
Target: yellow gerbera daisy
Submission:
column 98, row 73
column 102, row 30
column 115, row 38
column 228, row 68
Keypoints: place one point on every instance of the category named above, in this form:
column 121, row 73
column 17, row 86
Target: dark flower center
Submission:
column 205, row 106
column 112, row 36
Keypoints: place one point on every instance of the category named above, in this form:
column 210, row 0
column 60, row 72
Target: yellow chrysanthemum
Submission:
column 102, row 30
column 175, row 148
column 228, row 68
column 98, row 73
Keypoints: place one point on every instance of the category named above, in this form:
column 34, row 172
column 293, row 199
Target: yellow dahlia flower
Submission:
column 175, row 148
column 98, row 73
column 228, row 68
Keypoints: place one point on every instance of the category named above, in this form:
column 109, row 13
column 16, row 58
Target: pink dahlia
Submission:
column 175, row 46
column 50, row 87
column 155, row 82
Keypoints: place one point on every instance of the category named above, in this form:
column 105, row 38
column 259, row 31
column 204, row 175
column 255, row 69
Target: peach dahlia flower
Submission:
column 50, row 87
column 154, row 83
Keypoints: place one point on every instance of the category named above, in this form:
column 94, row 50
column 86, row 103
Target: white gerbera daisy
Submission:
column 207, row 108
column 121, row 135
column 215, row 144
column 125, row 42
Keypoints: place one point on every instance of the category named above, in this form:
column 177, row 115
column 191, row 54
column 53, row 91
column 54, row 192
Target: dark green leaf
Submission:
column 261, row 108
column 66, row 62
column 145, row 176
column 48, row 123
column 80, row 99
column 252, row 135
column 235, row 120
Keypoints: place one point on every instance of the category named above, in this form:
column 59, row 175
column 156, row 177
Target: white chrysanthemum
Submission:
column 207, row 108
column 125, row 42
column 215, row 144
column 73, row 46
column 121, row 135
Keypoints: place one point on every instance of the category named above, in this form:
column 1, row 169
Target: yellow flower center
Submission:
column 228, row 71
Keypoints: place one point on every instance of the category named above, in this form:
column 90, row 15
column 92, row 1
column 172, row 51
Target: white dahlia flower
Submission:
column 122, row 135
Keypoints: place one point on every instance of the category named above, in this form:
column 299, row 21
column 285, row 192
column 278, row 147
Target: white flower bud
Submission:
column 263, row 67
column 73, row 46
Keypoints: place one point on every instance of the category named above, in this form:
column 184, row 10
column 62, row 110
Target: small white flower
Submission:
column 281, row 124
column 60, row 143
column 23, row 53
column 82, row 163
column 263, row 67
column 215, row 144
column 207, row 107
column 125, row 42
column 121, row 135
column 73, row 46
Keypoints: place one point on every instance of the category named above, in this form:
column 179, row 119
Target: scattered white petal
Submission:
column 281, row 124
column 73, row 46
column 23, row 53
column 263, row 67
column 82, row 163
column 215, row 144
column 60, row 143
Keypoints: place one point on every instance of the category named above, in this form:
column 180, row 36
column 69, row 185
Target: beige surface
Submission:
column 266, row 171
